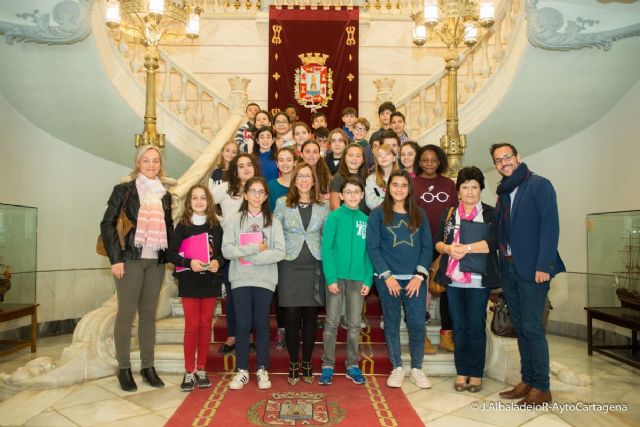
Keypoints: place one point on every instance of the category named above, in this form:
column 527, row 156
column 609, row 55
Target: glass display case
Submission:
column 18, row 239
column 613, row 259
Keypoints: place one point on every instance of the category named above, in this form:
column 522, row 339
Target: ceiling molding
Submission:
column 72, row 19
column 544, row 30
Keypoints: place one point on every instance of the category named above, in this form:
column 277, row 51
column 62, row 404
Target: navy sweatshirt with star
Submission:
column 393, row 248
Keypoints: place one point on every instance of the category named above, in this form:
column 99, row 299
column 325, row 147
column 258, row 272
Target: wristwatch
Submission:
column 469, row 248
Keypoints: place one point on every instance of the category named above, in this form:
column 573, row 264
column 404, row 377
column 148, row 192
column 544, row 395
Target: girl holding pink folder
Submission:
column 199, row 282
column 253, row 273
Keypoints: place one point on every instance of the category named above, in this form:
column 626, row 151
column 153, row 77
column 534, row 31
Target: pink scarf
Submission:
column 453, row 266
column 151, row 231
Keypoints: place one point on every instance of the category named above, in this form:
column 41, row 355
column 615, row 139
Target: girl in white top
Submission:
column 376, row 183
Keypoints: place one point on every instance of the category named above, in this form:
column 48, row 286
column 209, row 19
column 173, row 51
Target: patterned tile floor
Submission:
column 101, row 402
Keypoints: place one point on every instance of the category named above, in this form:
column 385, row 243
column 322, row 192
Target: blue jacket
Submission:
column 535, row 229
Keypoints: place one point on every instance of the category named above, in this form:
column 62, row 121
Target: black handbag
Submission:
column 501, row 324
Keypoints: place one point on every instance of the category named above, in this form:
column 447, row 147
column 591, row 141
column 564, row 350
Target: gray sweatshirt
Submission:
column 263, row 271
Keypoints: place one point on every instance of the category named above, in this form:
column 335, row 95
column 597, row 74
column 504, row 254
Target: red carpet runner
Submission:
column 373, row 351
column 343, row 404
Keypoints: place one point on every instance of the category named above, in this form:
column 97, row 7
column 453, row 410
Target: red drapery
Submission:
column 313, row 61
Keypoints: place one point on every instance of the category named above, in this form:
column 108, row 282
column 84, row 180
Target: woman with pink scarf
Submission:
column 469, row 281
column 138, row 267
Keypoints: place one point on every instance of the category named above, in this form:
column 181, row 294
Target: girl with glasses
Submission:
column 254, row 243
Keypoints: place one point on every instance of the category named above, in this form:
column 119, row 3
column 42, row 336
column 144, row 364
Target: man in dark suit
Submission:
column 528, row 234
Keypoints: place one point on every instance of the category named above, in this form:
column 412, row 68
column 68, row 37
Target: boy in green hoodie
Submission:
column 348, row 272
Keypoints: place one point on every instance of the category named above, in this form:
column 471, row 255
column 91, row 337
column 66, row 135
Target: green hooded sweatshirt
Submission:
column 344, row 247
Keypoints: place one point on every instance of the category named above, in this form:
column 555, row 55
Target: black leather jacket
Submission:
column 108, row 224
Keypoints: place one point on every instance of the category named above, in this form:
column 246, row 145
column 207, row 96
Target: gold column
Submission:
column 150, row 134
column 452, row 142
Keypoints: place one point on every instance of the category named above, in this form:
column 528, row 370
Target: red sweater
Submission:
column 434, row 195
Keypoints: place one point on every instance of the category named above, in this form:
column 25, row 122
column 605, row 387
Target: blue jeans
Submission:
column 526, row 300
column 468, row 309
column 252, row 305
column 415, row 310
column 350, row 295
column 230, row 312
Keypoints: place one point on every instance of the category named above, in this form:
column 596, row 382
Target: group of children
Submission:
column 313, row 223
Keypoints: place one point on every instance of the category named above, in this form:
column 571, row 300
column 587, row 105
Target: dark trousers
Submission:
column 252, row 306
column 445, row 317
column 468, row 308
column 230, row 312
column 294, row 319
column 526, row 300
column 138, row 292
column 279, row 310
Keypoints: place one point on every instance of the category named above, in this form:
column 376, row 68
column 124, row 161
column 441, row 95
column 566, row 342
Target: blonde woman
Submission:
column 138, row 269
column 221, row 164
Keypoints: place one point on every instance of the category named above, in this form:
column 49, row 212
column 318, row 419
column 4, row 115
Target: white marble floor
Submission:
column 101, row 402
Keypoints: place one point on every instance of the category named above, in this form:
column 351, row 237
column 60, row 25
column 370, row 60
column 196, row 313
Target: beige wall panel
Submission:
column 220, row 59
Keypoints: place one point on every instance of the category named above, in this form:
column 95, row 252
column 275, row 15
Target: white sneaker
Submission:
column 263, row 379
column 239, row 380
column 419, row 378
column 396, row 378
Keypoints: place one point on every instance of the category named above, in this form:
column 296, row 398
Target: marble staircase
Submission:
column 169, row 352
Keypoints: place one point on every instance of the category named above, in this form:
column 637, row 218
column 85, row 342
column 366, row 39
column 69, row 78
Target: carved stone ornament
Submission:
column 72, row 19
column 544, row 25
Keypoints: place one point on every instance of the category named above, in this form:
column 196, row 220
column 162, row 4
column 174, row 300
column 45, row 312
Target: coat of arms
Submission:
column 296, row 408
column 313, row 81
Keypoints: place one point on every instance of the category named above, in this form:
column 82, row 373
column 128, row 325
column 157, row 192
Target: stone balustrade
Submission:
column 250, row 7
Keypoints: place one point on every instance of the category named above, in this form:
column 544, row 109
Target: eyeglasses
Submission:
column 501, row 160
column 352, row 192
column 304, row 177
column 255, row 192
column 360, row 129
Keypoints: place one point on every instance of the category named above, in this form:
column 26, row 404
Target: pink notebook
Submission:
column 248, row 238
column 194, row 247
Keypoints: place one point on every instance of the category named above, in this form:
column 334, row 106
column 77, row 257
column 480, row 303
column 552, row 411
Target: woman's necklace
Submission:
column 304, row 204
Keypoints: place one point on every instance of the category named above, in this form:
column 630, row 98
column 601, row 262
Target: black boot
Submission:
column 150, row 377
column 126, row 380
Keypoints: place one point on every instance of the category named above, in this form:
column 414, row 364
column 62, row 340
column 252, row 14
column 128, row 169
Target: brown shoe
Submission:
column 446, row 341
column 535, row 398
column 428, row 347
column 519, row 391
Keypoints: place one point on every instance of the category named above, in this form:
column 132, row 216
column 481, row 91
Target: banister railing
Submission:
column 373, row 7
column 187, row 96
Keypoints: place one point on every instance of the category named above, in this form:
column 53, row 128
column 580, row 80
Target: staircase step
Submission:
column 371, row 306
column 373, row 352
column 170, row 330
column 169, row 358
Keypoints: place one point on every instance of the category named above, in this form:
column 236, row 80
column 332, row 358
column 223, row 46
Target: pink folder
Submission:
column 194, row 247
column 248, row 238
